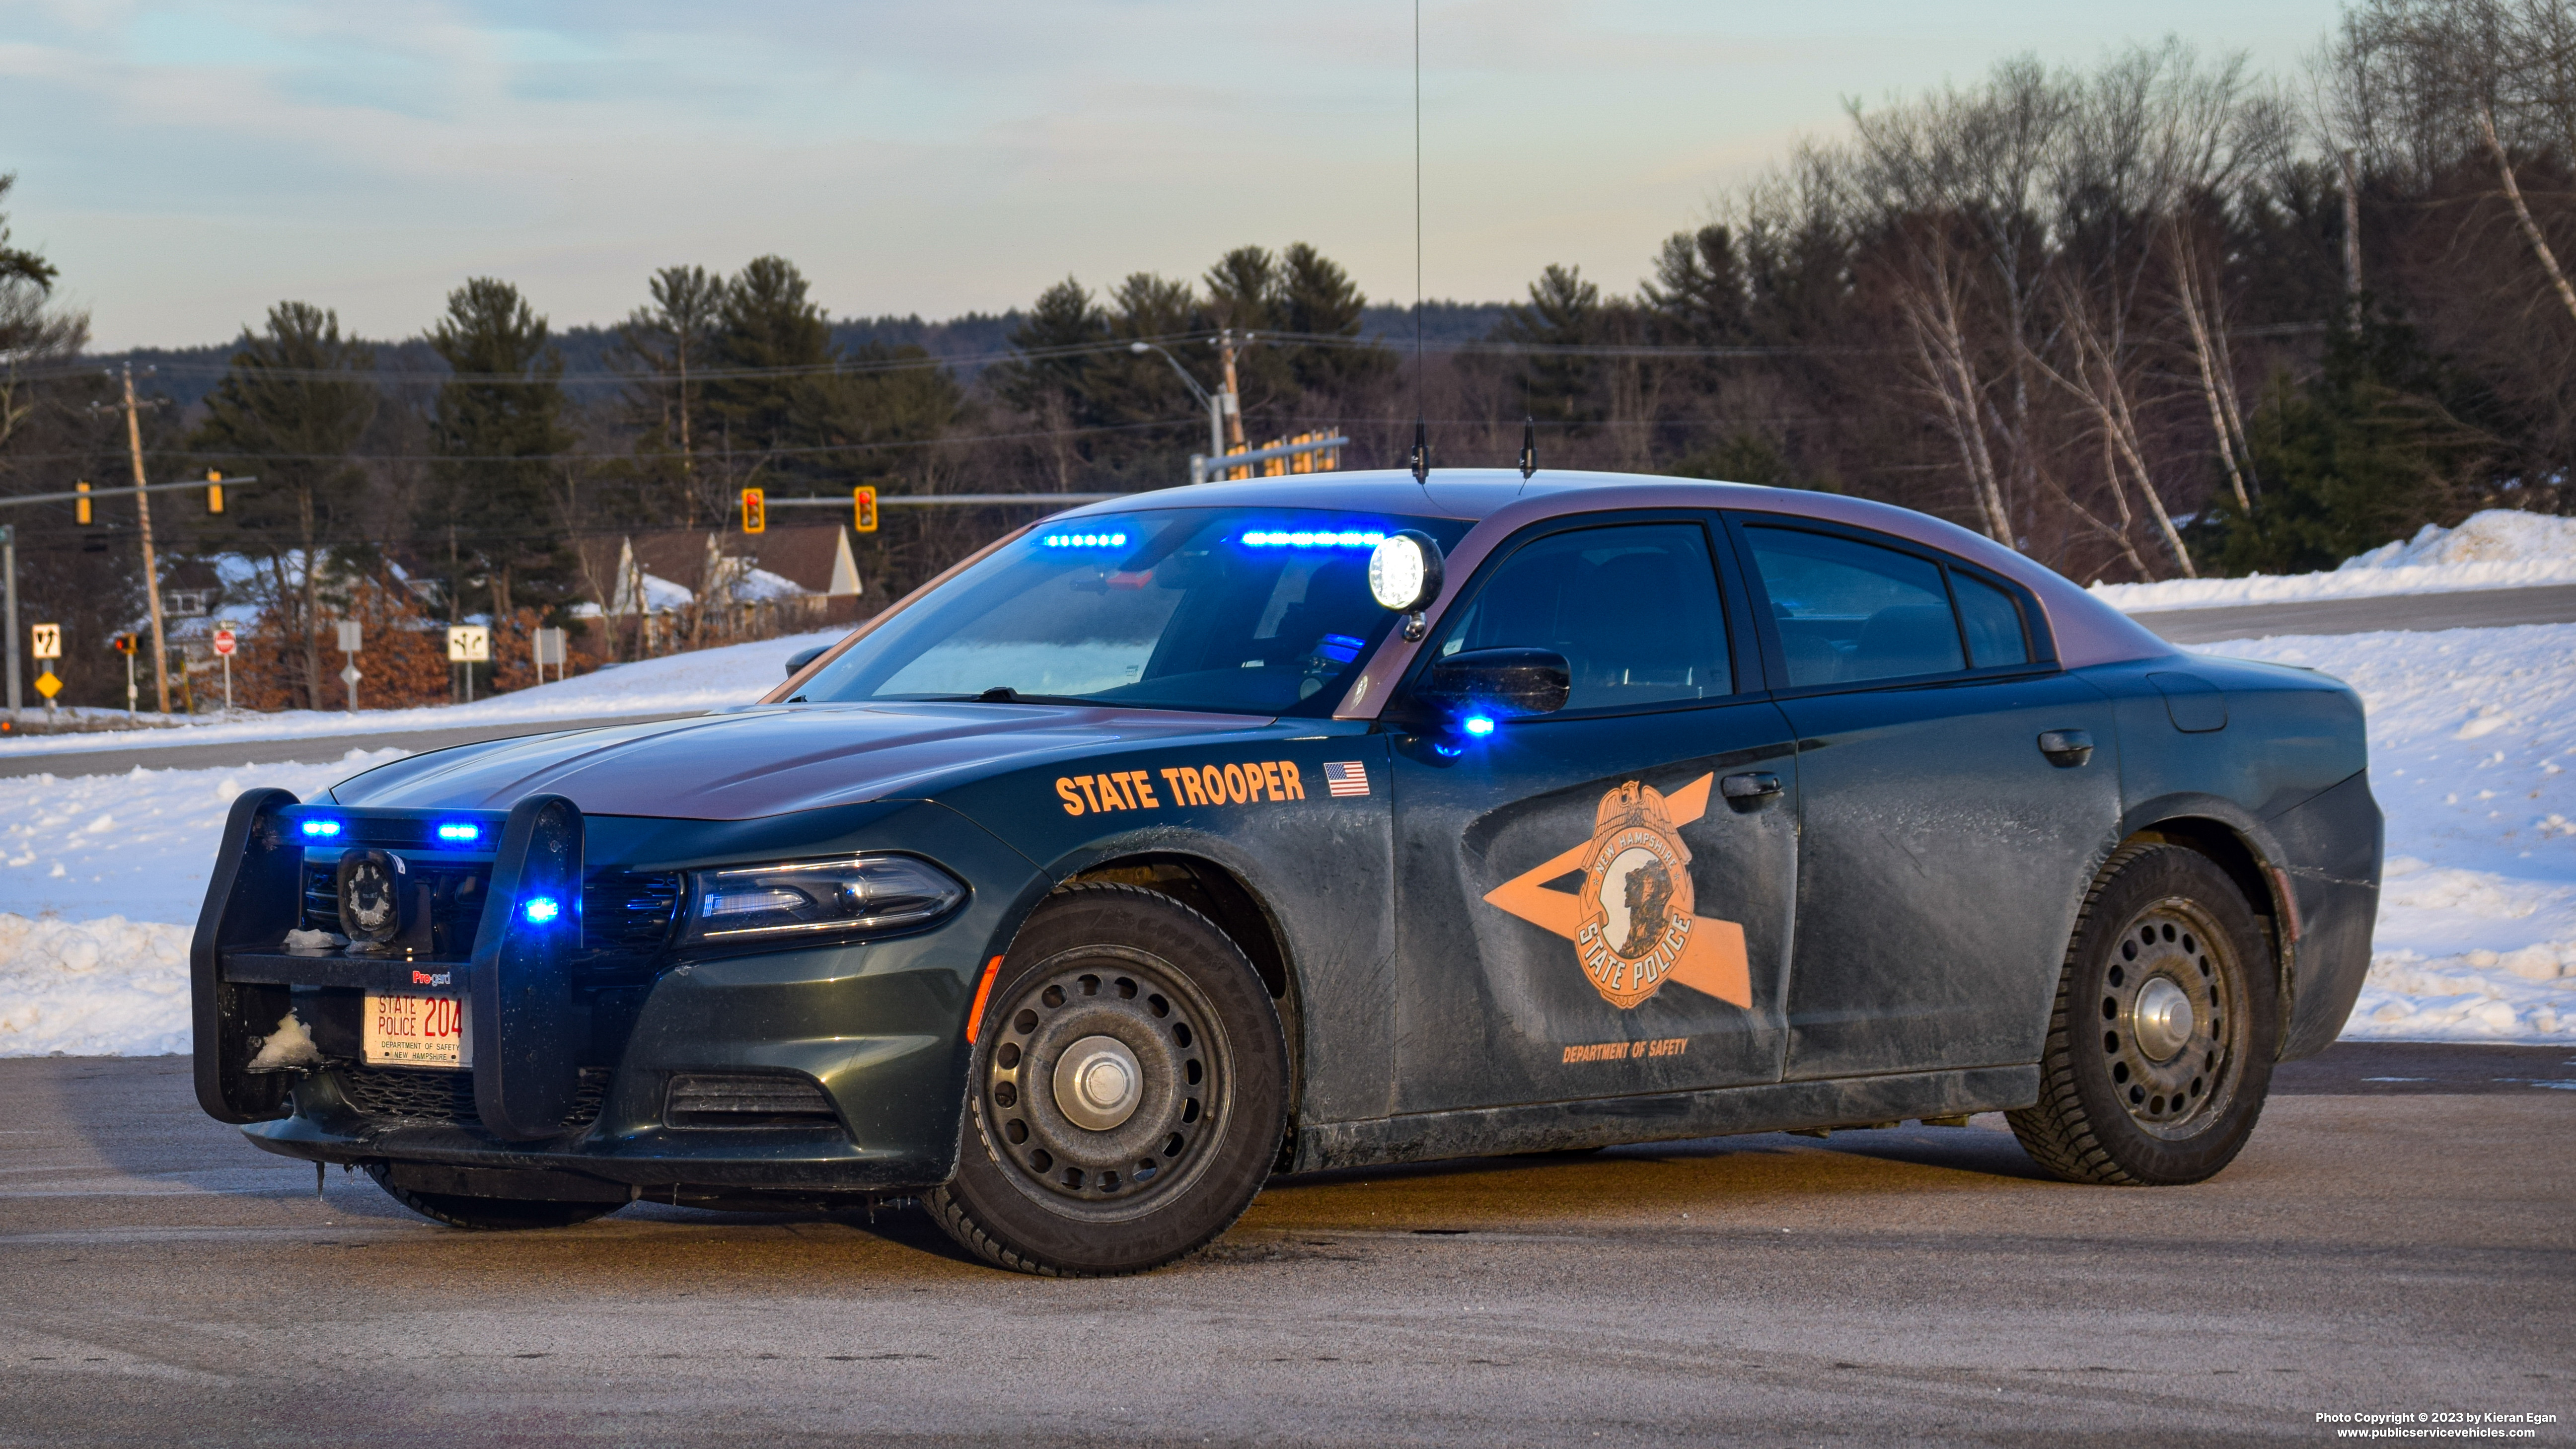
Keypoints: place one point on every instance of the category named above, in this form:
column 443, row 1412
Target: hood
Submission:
column 759, row 762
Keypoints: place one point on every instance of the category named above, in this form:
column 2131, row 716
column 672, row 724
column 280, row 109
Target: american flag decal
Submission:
column 1346, row 777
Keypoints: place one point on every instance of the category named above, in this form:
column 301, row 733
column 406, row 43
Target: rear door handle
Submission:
column 2066, row 749
column 1756, row 785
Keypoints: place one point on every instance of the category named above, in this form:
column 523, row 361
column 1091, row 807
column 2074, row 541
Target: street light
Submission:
column 1214, row 403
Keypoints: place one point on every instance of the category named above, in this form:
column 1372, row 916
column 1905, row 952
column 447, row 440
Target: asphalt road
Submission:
column 28, row 757
column 2396, row 1238
column 2470, row 609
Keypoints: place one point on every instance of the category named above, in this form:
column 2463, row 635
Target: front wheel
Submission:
column 2160, row 1045
column 1128, row 1091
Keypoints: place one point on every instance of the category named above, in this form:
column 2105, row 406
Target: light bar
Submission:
column 537, row 910
column 321, row 829
column 1313, row 538
column 460, row 832
column 1084, row 540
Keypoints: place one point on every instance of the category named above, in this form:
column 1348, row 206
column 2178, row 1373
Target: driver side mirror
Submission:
column 1497, row 683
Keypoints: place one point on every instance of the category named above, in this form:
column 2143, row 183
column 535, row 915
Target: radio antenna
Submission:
column 1421, row 431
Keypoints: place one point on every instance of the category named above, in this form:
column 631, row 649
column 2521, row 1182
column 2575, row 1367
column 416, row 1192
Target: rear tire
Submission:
column 2161, row 1042
column 489, row 1214
column 1128, row 1091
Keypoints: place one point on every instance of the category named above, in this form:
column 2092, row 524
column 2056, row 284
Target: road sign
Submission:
column 549, row 646
column 755, row 511
column 225, row 642
column 864, row 501
column 349, row 640
column 47, row 685
column 469, row 644
column 350, row 676
column 49, row 641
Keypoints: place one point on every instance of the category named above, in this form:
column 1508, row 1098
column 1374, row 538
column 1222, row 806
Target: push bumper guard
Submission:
column 517, row 979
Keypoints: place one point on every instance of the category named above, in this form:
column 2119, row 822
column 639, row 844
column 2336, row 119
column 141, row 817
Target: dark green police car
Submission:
column 1258, row 828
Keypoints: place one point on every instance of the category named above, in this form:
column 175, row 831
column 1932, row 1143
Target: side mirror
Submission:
column 797, row 661
column 1498, row 683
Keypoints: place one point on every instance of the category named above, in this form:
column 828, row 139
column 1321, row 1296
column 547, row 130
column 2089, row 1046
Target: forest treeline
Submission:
column 2161, row 316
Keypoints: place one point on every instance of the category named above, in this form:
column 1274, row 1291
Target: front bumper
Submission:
column 878, row 1026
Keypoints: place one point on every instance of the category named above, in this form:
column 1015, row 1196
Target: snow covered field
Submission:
column 674, row 684
column 2472, row 732
column 2498, row 549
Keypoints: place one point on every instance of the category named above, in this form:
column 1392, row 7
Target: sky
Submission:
column 187, row 165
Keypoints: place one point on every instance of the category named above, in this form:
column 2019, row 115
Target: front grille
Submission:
column 628, row 916
column 702, row 1099
column 411, row 1095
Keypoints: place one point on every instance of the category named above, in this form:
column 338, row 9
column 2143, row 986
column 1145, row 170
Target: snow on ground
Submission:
column 100, row 880
column 2472, row 736
column 673, row 684
column 2501, row 548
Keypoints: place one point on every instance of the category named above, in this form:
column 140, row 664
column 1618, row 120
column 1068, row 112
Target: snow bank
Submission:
column 2501, row 548
column 2472, row 732
column 92, row 988
column 673, row 684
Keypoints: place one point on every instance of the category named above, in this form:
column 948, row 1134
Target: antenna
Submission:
column 1421, row 431
column 1529, row 446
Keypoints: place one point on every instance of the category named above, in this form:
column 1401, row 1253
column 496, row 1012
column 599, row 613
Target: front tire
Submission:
column 2161, row 1041
column 1128, row 1091
column 488, row 1214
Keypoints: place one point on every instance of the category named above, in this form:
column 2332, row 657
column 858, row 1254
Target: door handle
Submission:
column 2066, row 749
column 1756, row 785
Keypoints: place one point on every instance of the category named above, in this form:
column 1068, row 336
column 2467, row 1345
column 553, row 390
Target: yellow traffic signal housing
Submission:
column 214, row 491
column 755, row 511
column 864, row 506
column 80, row 506
column 123, row 643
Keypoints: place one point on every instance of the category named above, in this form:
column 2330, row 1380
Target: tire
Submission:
column 489, row 1214
column 1205, row 1068
column 2148, row 1084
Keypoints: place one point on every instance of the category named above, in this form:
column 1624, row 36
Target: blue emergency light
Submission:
column 321, row 829
column 460, row 832
column 537, row 910
column 1084, row 540
column 1313, row 538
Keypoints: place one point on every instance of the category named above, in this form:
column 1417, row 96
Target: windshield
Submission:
column 1255, row 611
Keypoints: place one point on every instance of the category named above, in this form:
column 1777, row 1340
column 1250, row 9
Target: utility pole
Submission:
column 151, row 572
column 9, row 553
column 2351, row 241
column 1233, row 393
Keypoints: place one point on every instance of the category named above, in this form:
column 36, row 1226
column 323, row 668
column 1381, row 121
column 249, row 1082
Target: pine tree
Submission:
column 1316, row 298
column 497, row 428
column 666, row 344
column 290, row 411
column 1563, row 311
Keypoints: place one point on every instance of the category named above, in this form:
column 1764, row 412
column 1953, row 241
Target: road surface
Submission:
column 2396, row 1238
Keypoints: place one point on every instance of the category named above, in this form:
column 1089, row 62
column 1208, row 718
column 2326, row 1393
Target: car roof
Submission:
column 1500, row 503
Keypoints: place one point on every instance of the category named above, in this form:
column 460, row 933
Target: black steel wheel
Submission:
column 1129, row 1089
column 488, row 1214
column 2161, row 1042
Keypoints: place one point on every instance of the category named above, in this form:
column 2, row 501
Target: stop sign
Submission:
column 223, row 641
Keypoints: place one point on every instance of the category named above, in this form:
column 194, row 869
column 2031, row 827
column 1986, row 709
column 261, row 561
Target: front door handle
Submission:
column 1750, row 787
column 2066, row 749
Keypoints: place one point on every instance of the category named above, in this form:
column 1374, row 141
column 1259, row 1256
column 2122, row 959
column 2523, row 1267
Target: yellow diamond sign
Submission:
column 47, row 685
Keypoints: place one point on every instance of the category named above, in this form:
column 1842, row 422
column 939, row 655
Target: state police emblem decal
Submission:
column 1635, row 921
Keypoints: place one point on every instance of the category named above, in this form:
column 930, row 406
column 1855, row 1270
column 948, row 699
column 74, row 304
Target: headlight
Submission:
column 806, row 897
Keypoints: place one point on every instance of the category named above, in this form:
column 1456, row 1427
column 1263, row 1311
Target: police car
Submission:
column 1266, row 827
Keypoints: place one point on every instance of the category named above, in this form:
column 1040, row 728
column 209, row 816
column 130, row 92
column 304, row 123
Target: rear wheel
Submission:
column 1129, row 1090
column 2160, row 1046
column 488, row 1214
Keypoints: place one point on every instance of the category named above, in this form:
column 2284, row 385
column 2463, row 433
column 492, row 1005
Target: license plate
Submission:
column 414, row 1031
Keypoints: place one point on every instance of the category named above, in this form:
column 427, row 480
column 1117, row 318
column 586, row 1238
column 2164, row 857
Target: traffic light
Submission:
column 214, row 491
column 755, row 511
column 123, row 643
column 864, row 504
column 80, row 506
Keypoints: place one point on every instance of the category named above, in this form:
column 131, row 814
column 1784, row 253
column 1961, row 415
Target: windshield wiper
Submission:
column 998, row 694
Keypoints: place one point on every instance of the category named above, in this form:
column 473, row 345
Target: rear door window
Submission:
column 1848, row 612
